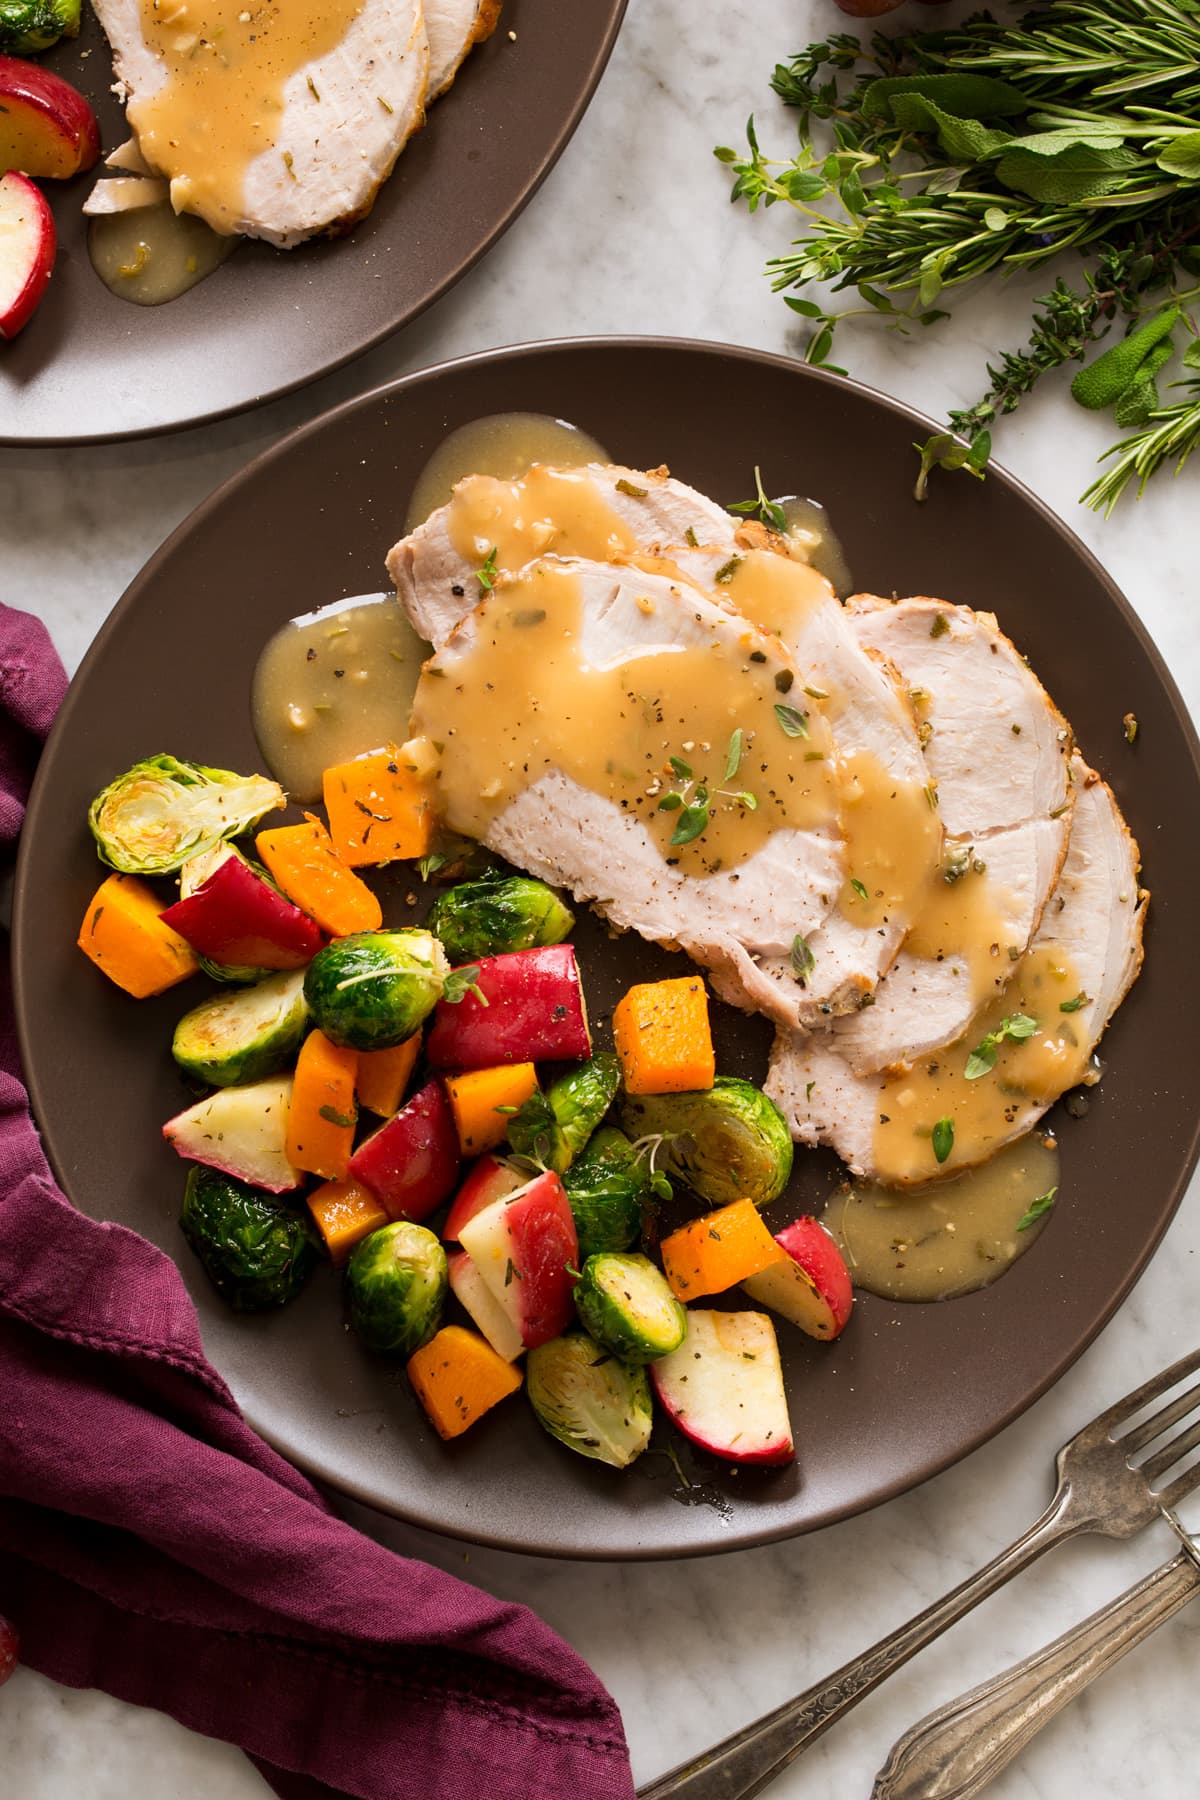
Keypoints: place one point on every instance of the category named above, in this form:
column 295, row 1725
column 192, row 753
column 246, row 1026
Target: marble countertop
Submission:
column 633, row 233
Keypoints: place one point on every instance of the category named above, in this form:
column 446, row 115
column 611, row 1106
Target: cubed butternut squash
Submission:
column 345, row 1212
column 476, row 1100
column 458, row 1377
column 383, row 1076
column 323, row 1112
column 663, row 1039
column 379, row 809
column 306, row 866
column 717, row 1251
column 125, row 937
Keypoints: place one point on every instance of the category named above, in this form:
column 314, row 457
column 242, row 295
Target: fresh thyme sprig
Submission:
column 946, row 155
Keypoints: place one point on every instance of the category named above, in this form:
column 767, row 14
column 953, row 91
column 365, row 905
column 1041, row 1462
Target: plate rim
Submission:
column 547, row 162
column 381, row 394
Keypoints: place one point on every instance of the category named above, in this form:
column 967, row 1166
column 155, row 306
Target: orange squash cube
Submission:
column 345, row 1212
column 663, row 1038
column 124, row 936
column 476, row 1096
column 379, row 809
column 323, row 1112
column 458, row 1377
column 383, row 1076
column 711, row 1254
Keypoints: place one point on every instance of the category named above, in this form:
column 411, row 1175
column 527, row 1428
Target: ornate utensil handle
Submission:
column 744, row 1764
column 956, row 1751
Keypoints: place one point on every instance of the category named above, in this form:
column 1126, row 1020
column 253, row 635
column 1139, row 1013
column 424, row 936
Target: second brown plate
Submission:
column 907, row 1389
column 90, row 366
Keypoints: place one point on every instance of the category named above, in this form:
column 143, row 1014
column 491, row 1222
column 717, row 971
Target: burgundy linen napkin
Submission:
column 153, row 1546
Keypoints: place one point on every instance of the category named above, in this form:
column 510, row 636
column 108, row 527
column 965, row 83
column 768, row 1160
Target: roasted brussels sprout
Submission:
column 607, row 1185
column 372, row 990
column 498, row 913
column 589, row 1399
column 256, row 1252
column 244, row 1034
column 552, row 1127
column 727, row 1142
column 151, row 819
column 396, row 1284
column 627, row 1306
column 28, row 27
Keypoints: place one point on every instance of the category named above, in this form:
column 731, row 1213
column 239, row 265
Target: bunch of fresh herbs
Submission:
column 926, row 161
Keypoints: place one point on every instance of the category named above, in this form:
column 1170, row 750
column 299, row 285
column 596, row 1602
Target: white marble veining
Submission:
column 633, row 232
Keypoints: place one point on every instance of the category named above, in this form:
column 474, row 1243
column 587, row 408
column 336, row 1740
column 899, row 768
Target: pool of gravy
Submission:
column 151, row 254
column 948, row 1237
column 333, row 685
column 501, row 445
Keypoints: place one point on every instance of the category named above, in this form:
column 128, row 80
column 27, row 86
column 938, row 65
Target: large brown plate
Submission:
column 907, row 1390
column 91, row 367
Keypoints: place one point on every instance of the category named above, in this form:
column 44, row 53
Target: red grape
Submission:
column 10, row 1643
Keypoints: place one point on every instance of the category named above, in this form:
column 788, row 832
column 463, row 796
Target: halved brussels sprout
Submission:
column 728, row 1142
column 498, row 913
column 589, row 1399
column 552, row 1127
column 244, row 1034
column 372, row 990
column 396, row 1283
column 27, row 27
column 608, row 1184
column 627, row 1306
column 151, row 819
column 256, row 1252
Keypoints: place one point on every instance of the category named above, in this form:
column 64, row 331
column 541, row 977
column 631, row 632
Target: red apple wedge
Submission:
column 487, row 1180
column 235, row 917
column 411, row 1164
column 525, row 1248
column 723, row 1387
column 27, row 245
column 812, row 1288
column 532, row 1011
column 476, row 1298
column 46, row 125
column 241, row 1131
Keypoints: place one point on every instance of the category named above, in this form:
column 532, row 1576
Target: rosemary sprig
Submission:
column 943, row 156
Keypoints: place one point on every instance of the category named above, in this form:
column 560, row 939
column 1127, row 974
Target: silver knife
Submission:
column 954, row 1752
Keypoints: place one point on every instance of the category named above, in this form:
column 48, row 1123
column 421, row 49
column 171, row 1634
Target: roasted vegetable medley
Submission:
column 426, row 1104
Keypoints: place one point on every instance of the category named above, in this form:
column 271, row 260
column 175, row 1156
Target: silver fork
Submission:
column 1099, row 1489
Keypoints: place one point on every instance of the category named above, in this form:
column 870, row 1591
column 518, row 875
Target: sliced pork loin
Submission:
column 624, row 512
column 871, row 716
column 998, row 751
column 1094, row 921
column 997, row 746
column 346, row 117
column 568, row 835
column 454, row 27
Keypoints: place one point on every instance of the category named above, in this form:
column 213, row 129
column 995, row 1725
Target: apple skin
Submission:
column 868, row 9
column 524, row 1247
column 812, row 1289
column 723, row 1387
column 47, row 127
column 487, row 1180
column 411, row 1164
column 10, row 1648
column 237, row 917
column 27, row 257
column 534, row 1013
